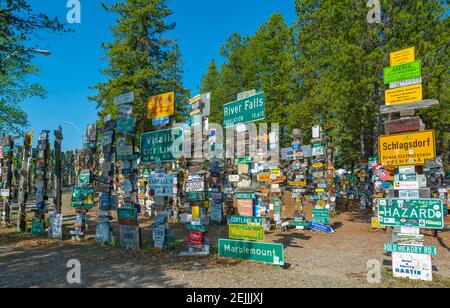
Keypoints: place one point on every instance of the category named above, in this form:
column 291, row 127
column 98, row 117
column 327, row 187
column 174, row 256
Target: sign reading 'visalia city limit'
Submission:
column 247, row 110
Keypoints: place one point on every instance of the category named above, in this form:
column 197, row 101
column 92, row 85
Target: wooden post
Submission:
column 58, row 171
column 24, row 182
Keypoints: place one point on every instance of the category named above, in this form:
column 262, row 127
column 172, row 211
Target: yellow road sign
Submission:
column 161, row 105
column 403, row 56
column 411, row 149
column 404, row 95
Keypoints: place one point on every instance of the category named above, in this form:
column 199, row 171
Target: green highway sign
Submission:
column 247, row 110
column 270, row 253
column 298, row 223
column 321, row 216
column 422, row 213
column 243, row 220
column 422, row 250
column 402, row 72
column 201, row 228
column 245, row 195
column 125, row 125
column 164, row 145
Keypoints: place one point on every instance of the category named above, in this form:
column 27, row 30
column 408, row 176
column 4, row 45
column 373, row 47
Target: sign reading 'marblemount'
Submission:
column 261, row 252
column 247, row 110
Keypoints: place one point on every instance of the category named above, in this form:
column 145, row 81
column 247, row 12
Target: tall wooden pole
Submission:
column 24, row 182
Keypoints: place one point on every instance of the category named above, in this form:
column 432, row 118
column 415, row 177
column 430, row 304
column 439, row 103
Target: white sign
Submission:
column 408, row 194
column 159, row 234
column 126, row 98
column 412, row 266
column 233, row 178
column 406, row 185
column 405, row 83
column 4, row 193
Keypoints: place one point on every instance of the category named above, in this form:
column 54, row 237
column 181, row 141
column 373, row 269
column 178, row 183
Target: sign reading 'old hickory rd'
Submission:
column 247, row 110
column 420, row 213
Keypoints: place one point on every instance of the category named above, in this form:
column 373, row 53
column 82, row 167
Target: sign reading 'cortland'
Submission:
column 411, row 149
column 247, row 110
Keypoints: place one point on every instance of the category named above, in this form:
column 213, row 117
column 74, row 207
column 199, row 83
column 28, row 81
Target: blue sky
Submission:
column 75, row 63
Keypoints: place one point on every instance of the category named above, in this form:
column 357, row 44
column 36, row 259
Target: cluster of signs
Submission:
column 246, row 236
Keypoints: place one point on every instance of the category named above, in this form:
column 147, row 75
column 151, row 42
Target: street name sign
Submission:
column 242, row 220
column 422, row 250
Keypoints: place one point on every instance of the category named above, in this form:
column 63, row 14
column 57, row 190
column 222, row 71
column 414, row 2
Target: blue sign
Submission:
column 320, row 227
column 161, row 184
column 161, row 121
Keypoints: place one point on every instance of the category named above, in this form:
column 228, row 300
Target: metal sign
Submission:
column 403, row 125
column 130, row 237
column 243, row 220
column 422, row 213
column 161, row 184
column 163, row 145
column 270, row 253
column 422, row 250
column 407, row 149
column 403, row 56
column 402, row 72
column 126, row 98
column 161, row 105
column 247, row 110
column 245, row 232
column 408, row 94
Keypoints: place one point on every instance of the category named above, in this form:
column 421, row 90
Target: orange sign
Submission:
column 161, row 105
column 411, row 149
column 404, row 95
column 264, row 177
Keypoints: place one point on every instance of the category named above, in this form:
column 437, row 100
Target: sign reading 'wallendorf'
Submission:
column 247, row 110
column 411, row 149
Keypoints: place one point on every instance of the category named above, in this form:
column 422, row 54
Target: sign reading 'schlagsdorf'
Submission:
column 261, row 252
column 421, row 213
column 247, row 110
column 163, row 145
column 411, row 149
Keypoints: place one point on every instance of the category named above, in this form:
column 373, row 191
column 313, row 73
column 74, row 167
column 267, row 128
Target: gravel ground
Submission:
column 313, row 260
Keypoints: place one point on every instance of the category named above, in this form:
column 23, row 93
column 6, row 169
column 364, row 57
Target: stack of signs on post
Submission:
column 41, row 176
column 130, row 234
column 245, row 233
column 404, row 78
column 410, row 258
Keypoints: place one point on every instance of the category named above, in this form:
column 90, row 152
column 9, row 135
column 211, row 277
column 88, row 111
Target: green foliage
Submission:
column 141, row 59
column 18, row 24
column 328, row 68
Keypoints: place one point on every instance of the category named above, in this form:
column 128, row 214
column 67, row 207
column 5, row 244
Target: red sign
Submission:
column 195, row 238
column 403, row 125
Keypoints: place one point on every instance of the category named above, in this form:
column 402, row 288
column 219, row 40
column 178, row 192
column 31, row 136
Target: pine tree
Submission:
column 211, row 83
column 141, row 59
column 18, row 26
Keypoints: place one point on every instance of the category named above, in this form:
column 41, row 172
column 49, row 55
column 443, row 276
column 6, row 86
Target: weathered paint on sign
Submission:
column 161, row 105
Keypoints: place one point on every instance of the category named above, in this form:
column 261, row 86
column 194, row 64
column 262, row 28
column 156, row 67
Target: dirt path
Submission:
column 314, row 260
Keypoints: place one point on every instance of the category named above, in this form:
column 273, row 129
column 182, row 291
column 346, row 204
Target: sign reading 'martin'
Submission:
column 247, row 110
column 411, row 149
